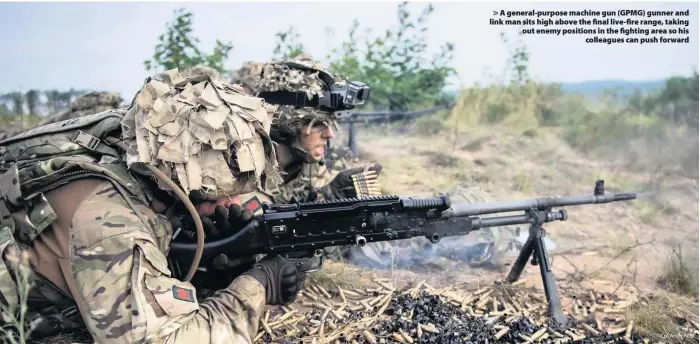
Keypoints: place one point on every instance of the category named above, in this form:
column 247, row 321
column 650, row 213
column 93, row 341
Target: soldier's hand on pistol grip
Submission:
column 280, row 277
column 220, row 224
column 231, row 220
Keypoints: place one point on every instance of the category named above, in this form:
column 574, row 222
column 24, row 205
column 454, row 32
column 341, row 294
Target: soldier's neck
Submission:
column 285, row 157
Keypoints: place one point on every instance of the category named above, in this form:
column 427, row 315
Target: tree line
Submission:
column 37, row 102
column 396, row 63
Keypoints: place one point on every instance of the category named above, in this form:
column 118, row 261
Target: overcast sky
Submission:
column 102, row 46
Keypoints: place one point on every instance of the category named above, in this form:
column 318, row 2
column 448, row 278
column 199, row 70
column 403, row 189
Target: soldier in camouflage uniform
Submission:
column 248, row 76
column 87, row 208
column 301, row 135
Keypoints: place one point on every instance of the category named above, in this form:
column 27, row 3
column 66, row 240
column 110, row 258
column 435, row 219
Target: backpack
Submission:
column 40, row 160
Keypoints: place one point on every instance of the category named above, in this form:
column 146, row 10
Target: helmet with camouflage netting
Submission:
column 293, row 84
column 198, row 70
column 203, row 133
column 248, row 75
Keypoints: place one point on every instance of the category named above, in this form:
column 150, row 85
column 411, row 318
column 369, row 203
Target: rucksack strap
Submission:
column 94, row 144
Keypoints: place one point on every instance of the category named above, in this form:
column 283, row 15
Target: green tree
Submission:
column 396, row 63
column 17, row 101
column 52, row 100
column 177, row 48
column 287, row 44
column 33, row 101
column 518, row 60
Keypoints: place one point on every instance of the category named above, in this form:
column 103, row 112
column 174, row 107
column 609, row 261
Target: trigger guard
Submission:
column 304, row 264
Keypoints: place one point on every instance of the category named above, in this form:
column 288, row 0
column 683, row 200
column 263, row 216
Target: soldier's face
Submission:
column 315, row 140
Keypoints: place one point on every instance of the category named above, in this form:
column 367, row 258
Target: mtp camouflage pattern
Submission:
column 115, row 245
column 186, row 127
column 248, row 75
column 118, row 253
column 200, row 70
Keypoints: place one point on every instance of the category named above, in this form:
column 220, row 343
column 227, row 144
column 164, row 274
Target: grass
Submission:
column 680, row 273
column 663, row 316
column 16, row 328
column 340, row 274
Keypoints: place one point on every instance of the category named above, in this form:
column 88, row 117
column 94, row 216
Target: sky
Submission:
column 102, row 46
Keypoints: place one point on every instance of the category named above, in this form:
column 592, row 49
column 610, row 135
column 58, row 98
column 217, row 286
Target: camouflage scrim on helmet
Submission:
column 277, row 76
column 199, row 70
column 248, row 75
column 206, row 134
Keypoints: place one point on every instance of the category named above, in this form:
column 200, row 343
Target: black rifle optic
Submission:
column 301, row 231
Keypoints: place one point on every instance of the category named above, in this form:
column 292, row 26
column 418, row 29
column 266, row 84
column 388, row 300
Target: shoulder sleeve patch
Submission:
column 252, row 204
column 183, row 294
column 174, row 297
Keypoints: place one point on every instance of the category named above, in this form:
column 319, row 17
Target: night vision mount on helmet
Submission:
column 339, row 95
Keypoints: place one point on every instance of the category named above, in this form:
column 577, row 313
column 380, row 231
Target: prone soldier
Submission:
column 88, row 213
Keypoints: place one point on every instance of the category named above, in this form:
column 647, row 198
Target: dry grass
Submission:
column 680, row 274
column 78, row 337
column 664, row 317
column 338, row 274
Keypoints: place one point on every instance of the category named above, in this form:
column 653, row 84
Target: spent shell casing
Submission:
column 324, row 291
column 540, row 332
column 398, row 337
column 369, row 337
column 628, row 330
column 590, row 329
column 616, row 331
column 406, row 337
column 342, row 295
column 502, row 333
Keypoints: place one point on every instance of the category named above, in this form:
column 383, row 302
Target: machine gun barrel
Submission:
column 458, row 210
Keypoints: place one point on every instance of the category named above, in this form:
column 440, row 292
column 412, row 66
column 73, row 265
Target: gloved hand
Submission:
column 280, row 277
column 342, row 186
column 220, row 224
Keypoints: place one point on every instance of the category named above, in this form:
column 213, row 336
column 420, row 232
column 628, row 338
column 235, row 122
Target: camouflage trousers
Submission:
column 485, row 247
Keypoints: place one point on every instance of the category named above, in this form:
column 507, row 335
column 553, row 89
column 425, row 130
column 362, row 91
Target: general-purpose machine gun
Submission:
column 301, row 231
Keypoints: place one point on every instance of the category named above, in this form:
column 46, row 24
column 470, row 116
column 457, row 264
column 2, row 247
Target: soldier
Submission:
column 248, row 76
column 88, row 216
column 300, row 132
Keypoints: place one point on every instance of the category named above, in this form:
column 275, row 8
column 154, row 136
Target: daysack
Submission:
column 41, row 160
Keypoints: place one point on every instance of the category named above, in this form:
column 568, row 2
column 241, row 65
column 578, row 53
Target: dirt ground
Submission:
column 631, row 239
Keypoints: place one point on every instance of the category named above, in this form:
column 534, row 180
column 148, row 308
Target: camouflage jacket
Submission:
column 116, row 256
column 303, row 183
column 105, row 252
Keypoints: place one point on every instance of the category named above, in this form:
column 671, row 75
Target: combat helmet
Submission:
column 191, row 72
column 203, row 133
column 248, row 75
column 306, row 94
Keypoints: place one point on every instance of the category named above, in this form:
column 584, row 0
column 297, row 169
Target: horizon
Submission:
column 105, row 49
